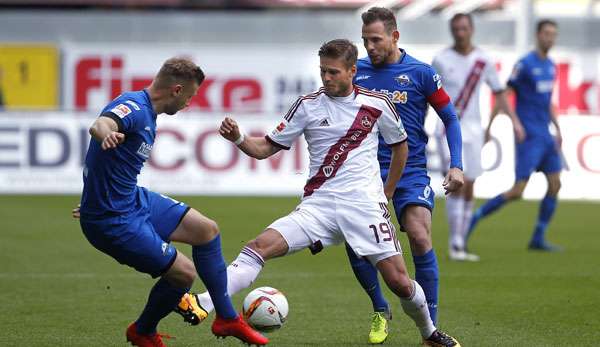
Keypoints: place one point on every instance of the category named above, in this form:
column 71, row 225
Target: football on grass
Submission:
column 265, row 309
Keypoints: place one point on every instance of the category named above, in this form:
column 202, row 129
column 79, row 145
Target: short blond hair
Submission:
column 179, row 69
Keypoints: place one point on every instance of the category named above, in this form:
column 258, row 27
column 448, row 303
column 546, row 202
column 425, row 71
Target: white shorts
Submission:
column 321, row 222
column 471, row 156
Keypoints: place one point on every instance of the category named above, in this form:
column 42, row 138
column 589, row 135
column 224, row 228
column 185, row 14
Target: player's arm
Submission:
column 554, row 120
column 393, row 133
column 440, row 101
column 503, row 106
column 255, row 147
column 106, row 130
column 397, row 164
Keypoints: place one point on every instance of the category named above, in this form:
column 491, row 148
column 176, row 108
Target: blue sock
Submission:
column 490, row 206
column 547, row 208
column 366, row 274
column 427, row 275
column 212, row 270
column 163, row 298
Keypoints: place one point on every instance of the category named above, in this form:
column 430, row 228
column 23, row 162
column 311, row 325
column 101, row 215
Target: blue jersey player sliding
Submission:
column 412, row 86
column 135, row 226
column 532, row 81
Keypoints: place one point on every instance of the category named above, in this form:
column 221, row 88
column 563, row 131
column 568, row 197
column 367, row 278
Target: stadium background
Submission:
column 62, row 60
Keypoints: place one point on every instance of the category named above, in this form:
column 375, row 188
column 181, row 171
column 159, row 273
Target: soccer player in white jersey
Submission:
column 464, row 68
column 344, row 198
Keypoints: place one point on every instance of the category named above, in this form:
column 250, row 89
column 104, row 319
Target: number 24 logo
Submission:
column 399, row 97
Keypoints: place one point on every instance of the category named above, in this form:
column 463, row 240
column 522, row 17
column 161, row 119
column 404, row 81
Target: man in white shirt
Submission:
column 344, row 198
column 464, row 68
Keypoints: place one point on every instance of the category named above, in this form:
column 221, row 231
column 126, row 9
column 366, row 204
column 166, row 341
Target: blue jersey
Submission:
column 110, row 176
column 533, row 80
column 412, row 85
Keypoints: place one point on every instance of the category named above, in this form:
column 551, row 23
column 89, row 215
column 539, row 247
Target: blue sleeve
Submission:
column 453, row 134
column 431, row 81
column 124, row 115
column 517, row 75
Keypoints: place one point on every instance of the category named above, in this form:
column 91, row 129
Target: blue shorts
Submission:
column 140, row 238
column 536, row 154
column 418, row 195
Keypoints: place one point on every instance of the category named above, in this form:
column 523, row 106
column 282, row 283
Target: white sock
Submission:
column 467, row 215
column 416, row 308
column 455, row 213
column 240, row 275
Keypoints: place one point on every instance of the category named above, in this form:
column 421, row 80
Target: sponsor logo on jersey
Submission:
column 328, row 170
column 147, row 128
column 121, row 110
column 135, row 106
column 324, row 123
column 362, row 77
column 544, row 86
column 144, row 150
column 164, row 248
column 402, row 80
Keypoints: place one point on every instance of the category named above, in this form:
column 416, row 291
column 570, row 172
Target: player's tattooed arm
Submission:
column 255, row 147
column 106, row 131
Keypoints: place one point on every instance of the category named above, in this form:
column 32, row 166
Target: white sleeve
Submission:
column 390, row 125
column 290, row 128
column 491, row 77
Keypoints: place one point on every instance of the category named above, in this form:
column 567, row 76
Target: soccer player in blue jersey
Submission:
column 532, row 81
column 413, row 86
column 135, row 226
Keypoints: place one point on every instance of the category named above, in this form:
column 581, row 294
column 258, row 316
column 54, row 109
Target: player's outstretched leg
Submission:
column 366, row 274
column 487, row 208
column 203, row 234
column 412, row 299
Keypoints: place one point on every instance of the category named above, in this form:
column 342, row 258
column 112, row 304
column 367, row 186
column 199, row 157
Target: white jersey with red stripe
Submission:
column 463, row 76
column 342, row 136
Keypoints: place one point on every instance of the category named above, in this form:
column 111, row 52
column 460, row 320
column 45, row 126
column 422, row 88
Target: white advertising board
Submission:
column 44, row 153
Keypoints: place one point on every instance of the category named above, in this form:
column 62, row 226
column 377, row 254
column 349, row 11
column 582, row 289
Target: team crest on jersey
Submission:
column 366, row 122
column 328, row 170
column 402, row 80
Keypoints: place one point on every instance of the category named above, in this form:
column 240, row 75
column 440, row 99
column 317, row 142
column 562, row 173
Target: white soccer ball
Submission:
column 265, row 309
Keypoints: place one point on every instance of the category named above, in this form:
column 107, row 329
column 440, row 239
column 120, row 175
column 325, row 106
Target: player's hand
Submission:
column 75, row 212
column 112, row 140
column 229, row 129
column 454, row 180
column 520, row 133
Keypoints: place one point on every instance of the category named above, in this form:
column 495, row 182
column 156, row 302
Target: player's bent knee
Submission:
column 269, row 244
column 420, row 239
column 182, row 273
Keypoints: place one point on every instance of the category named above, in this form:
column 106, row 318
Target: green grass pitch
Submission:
column 56, row 290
